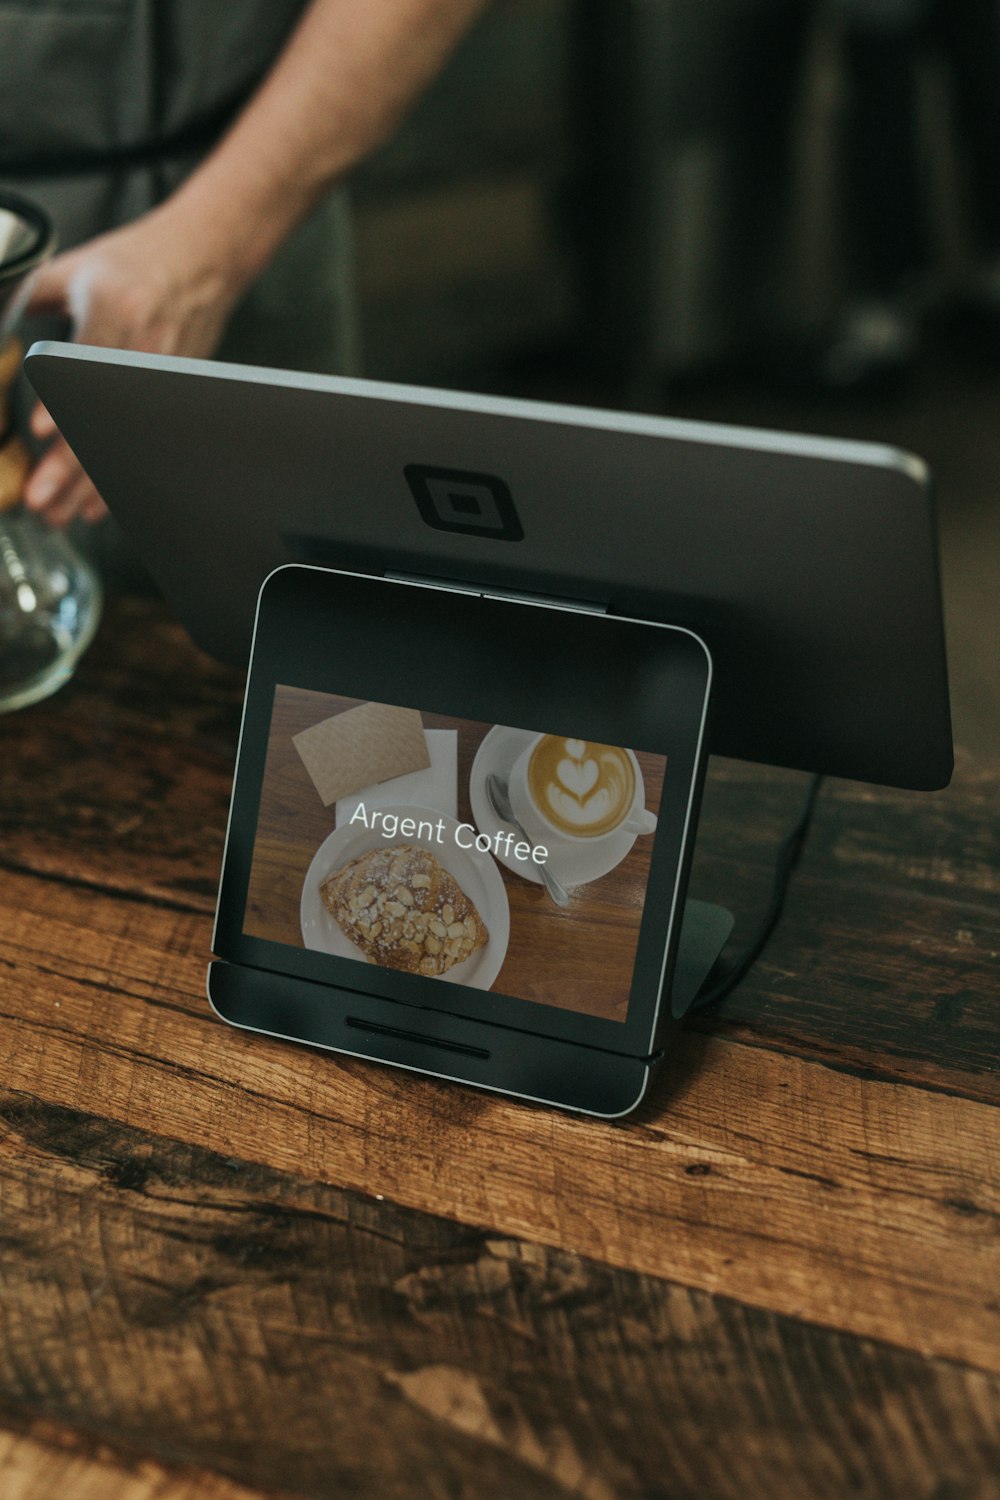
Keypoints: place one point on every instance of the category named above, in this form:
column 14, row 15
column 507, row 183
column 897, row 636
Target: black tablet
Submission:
column 460, row 834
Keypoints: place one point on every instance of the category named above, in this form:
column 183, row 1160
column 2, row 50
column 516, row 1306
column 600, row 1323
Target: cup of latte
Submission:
column 578, row 791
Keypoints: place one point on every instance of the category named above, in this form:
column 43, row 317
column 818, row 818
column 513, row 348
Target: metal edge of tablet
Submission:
column 879, row 455
column 698, row 438
column 421, row 1072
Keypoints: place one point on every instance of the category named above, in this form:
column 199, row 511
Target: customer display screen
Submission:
column 504, row 859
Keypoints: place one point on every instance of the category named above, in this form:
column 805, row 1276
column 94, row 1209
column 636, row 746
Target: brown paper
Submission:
column 362, row 746
column 15, row 463
column 11, row 354
column 14, row 458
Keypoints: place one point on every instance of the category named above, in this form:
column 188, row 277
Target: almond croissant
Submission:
column 404, row 910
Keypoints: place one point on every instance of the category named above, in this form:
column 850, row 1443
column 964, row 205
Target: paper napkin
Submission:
column 436, row 787
column 361, row 747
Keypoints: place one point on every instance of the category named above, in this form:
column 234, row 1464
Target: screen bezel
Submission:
column 634, row 683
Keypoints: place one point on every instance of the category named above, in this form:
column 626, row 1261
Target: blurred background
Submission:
column 765, row 212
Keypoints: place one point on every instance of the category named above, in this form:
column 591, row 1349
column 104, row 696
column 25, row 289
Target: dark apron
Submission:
column 106, row 105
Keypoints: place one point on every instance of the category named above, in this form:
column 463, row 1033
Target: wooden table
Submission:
column 230, row 1267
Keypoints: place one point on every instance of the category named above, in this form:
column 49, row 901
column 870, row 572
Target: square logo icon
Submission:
column 464, row 501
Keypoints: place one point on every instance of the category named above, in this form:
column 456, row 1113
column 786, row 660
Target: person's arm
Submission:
column 168, row 282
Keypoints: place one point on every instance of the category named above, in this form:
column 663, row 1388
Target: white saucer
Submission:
column 476, row 874
column 575, row 863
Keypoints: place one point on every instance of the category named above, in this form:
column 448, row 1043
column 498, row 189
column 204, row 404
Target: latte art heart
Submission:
column 580, row 813
column 577, row 776
column 583, row 788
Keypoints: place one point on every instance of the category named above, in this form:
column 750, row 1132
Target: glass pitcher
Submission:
column 50, row 596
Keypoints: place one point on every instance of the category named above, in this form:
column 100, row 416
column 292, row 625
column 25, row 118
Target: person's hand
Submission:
column 156, row 285
column 167, row 283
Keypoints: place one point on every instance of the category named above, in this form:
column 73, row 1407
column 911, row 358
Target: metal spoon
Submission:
column 499, row 800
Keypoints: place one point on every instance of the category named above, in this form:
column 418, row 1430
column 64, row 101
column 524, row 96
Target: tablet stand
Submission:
column 331, row 628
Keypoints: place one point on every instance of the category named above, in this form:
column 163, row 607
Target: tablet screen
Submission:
column 383, row 836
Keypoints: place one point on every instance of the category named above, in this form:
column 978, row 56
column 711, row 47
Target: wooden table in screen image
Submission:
column 578, row 956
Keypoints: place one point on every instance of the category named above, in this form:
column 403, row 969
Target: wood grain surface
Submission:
column 280, row 1325
column 39, row 1457
column 229, row 1261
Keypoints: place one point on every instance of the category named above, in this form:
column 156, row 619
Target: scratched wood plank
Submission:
column 943, row 845
column 41, row 1459
column 202, row 1311
column 122, row 782
column 888, row 954
column 878, row 985
column 811, row 1191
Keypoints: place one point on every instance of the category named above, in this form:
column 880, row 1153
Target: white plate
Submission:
column 575, row 863
column 475, row 873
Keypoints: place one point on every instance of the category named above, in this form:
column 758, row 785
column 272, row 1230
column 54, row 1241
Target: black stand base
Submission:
column 704, row 932
column 493, row 1057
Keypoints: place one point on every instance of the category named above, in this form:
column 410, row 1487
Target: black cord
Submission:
column 788, row 857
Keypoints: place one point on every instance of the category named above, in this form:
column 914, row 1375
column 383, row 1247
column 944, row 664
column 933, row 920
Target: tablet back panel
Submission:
column 809, row 566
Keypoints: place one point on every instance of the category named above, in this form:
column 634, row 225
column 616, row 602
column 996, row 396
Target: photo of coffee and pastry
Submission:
column 485, row 855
